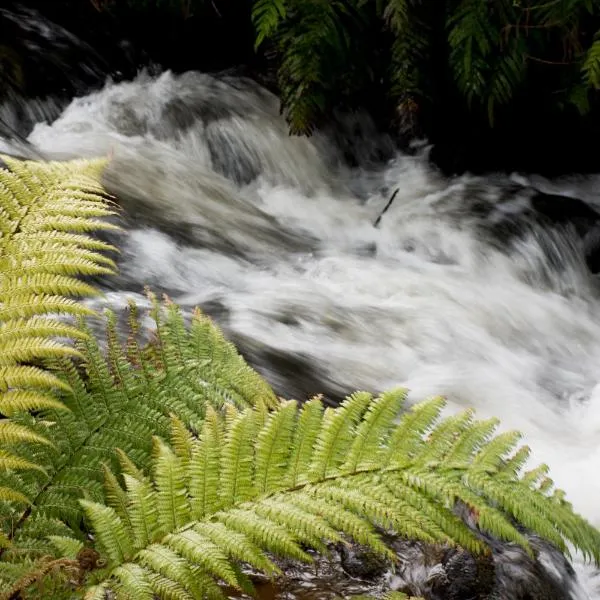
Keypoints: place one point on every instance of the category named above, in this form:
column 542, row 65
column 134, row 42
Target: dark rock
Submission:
column 362, row 563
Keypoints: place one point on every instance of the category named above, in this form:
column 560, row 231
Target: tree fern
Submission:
column 360, row 476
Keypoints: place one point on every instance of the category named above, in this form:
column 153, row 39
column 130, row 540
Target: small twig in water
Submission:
column 387, row 206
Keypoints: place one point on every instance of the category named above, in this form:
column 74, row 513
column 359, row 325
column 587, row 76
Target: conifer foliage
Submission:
column 167, row 469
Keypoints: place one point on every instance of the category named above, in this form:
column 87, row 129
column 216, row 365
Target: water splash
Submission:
column 224, row 209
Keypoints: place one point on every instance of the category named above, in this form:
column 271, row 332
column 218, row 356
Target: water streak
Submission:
column 226, row 210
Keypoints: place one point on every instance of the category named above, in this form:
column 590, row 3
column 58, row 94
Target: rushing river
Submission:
column 275, row 237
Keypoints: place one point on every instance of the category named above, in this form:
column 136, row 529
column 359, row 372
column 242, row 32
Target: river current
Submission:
column 275, row 236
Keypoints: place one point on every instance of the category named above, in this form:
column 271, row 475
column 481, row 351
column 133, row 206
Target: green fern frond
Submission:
column 266, row 17
column 411, row 45
column 44, row 209
column 472, row 38
column 122, row 399
column 314, row 37
column 591, row 64
column 264, row 507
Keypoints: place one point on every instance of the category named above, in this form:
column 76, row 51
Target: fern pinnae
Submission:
column 143, row 511
column 112, row 536
column 182, row 441
column 229, row 375
column 131, row 582
column 122, row 371
column 437, row 512
column 372, row 432
column 448, row 491
column 407, row 438
column 591, row 65
column 204, row 469
column 170, row 477
column 97, row 592
column 491, row 456
column 307, row 431
column 16, row 463
column 164, row 587
column 513, row 503
column 441, row 440
column 38, row 283
column 469, row 441
column 237, row 459
column 201, row 550
column 127, row 466
column 66, row 546
column 10, row 495
column 263, row 532
column 115, row 496
column 335, row 438
column 266, row 17
column 18, row 401
column 307, row 528
column 273, row 447
column 237, row 545
column 163, row 561
column 404, row 518
column 12, row 433
column 354, row 499
column 341, row 519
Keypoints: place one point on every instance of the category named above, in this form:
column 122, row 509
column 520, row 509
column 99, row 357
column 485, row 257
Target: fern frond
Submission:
column 266, row 17
column 314, row 37
column 341, row 489
column 488, row 65
column 591, row 64
column 39, row 276
column 410, row 46
column 116, row 401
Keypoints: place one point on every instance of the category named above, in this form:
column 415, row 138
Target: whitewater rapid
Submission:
column 276, row 234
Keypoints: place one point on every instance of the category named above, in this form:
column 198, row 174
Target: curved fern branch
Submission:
column 257, row 484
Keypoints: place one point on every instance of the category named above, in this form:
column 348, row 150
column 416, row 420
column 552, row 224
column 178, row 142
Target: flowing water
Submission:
column 275, row 236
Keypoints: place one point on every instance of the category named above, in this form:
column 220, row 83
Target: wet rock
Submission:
column 507, row 574
column 362, row 563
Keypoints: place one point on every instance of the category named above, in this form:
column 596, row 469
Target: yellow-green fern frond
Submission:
column 46, row 210
column 253, row 486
